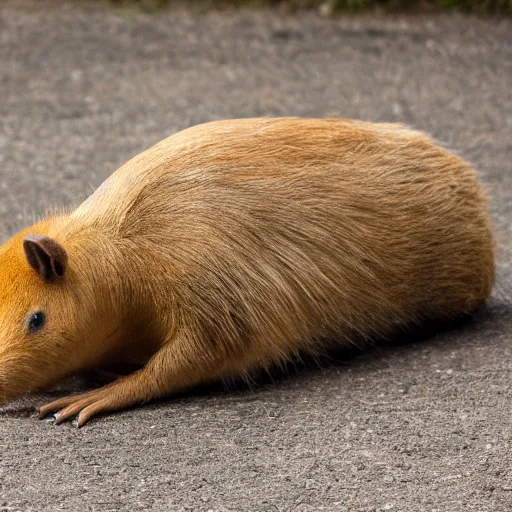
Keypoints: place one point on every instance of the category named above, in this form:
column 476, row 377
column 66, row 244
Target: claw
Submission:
column 112, row 397
column 85, row 405
column 57, row 405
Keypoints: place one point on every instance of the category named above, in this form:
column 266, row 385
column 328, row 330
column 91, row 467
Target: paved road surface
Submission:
column 424, row 426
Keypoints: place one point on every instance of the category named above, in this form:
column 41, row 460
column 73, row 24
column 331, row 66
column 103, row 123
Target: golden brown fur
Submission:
column 235, row 244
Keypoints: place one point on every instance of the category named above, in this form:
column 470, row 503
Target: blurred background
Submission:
column 426, row 426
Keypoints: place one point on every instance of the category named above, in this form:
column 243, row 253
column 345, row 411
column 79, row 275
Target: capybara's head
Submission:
column 48, row 313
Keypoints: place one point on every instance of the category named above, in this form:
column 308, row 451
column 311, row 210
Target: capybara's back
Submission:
column 291, row 231
column 235, row 244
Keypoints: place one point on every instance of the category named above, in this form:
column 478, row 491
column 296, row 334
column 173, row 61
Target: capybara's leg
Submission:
column 177, row 365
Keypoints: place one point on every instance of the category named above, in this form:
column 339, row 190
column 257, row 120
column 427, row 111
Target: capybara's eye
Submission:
column 36, row 321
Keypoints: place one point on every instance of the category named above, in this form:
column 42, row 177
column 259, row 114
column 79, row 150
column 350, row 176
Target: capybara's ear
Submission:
column 46, row 256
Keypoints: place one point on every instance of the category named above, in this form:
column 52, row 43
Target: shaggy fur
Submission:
column 235, row 244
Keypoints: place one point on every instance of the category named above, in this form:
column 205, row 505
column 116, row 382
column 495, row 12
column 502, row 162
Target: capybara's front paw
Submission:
column 85, row 405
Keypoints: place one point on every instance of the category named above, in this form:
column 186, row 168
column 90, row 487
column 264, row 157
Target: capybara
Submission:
column 237, row 244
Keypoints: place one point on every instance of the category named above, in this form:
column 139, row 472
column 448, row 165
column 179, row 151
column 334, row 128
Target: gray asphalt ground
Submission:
column 417, row 426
